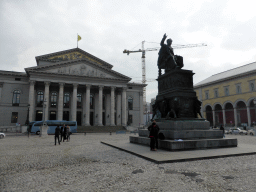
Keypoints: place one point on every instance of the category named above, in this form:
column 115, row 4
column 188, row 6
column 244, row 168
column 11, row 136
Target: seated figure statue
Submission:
column 166, row 59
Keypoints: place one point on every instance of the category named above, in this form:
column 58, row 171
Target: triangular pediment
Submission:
column 71, row 54
column 82, row 67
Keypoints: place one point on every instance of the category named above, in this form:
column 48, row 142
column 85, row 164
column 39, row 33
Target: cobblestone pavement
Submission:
column 84, row 164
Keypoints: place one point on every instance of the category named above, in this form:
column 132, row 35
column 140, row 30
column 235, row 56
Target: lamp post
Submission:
column 44, row 106
column 27, row 121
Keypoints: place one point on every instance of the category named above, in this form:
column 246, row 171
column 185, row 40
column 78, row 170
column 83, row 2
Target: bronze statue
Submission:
column 197, row 107
column 166, row 59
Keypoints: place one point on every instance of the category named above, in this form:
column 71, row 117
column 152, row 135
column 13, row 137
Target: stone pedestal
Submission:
column 178, row 104
column 43, row 130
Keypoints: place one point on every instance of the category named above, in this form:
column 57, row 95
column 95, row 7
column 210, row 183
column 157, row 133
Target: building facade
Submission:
column 228, row 98
column 70, row 85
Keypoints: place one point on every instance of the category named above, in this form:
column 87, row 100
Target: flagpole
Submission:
column 77, row 39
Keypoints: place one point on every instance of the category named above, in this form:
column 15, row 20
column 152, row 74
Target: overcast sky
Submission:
column 32, row 28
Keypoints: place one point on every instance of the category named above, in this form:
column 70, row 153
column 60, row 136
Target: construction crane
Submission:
column 155, row 49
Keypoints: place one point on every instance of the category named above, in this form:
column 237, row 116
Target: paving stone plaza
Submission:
column 85, row 164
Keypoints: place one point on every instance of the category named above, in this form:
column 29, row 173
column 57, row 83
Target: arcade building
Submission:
column 70, row 85
column 229, row 97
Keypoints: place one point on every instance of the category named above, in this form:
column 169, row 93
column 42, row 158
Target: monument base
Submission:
column 187, row 134
column 172, row 145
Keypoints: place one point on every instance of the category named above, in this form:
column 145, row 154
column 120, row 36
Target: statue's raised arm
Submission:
column 166, row 58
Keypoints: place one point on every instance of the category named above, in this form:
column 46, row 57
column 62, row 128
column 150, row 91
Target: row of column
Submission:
column 235, row 116
column 121, row 109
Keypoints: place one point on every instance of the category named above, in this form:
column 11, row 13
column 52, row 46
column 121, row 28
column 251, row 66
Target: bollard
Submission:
column 110, row 133
column 84, row 133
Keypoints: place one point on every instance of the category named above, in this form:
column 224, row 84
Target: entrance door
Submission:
column 39, row 115
column 79, row 117
column 52, row 115
column 91, row 118
column 66, row 115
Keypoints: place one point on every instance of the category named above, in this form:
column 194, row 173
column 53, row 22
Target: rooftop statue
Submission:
column 166, row 59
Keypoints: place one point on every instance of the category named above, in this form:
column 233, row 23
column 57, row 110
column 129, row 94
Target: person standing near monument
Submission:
column 153, row 135
column 223, row 130
column 57, row 134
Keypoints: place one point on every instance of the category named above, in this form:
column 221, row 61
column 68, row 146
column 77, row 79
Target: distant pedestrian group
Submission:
column 62, row 134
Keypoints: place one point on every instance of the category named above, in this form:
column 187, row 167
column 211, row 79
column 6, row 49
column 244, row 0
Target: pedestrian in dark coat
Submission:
column 153, row 135
column 223, row 130
column 65, row 134
column 57, row 134
column 62, row 132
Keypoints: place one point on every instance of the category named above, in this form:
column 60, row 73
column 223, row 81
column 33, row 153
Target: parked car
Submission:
column 242, row 131
column 233, row 131
column 237, row 131
column 2, row 135
column 251, row 132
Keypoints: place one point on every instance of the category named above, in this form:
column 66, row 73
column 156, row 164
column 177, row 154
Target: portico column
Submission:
column 213, row 118
column 87, row 105
column 32, row 100
column 112, row 107
column 118, row 109
column 235, row 115
column 124, row 106
column 224, row 117
column 74, row 102
column 46, row 93
column 60, row 102
column 100, row 106
column 248, row 115
column 141, row 109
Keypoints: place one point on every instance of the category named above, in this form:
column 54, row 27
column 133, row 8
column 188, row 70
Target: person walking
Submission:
column 153, row 135
column 57, row 134
column 68, row 133
column 65, row 133
column 62, row 132
column 223, row 130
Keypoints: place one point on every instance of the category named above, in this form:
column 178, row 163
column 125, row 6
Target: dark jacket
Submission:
column 57, row 131
column 153, row 130
column 222, row 128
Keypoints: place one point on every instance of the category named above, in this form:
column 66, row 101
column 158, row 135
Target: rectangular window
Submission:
column 251, row 86
column 238, row 88
column 206, row 94
column 216, row 93
column 14, row 117
column 226, row 91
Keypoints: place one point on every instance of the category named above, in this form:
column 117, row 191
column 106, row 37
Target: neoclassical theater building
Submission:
column 70, row 85
column 229, row 98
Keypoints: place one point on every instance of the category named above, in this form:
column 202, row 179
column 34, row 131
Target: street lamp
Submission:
column 27, row 120
column 44, row 106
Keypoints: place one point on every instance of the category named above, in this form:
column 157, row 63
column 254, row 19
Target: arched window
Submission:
column 130, row 103
column 91, row 102
column 79, row 100
column 53, row 99
column 16, row 98
column 66, row 100
column 40, row 98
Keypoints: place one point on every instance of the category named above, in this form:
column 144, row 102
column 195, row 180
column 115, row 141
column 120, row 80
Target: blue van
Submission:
column 52, row 124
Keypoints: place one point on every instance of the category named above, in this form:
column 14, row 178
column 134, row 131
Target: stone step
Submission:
column 172, row 145
column 186, row 134
column 99, row 129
